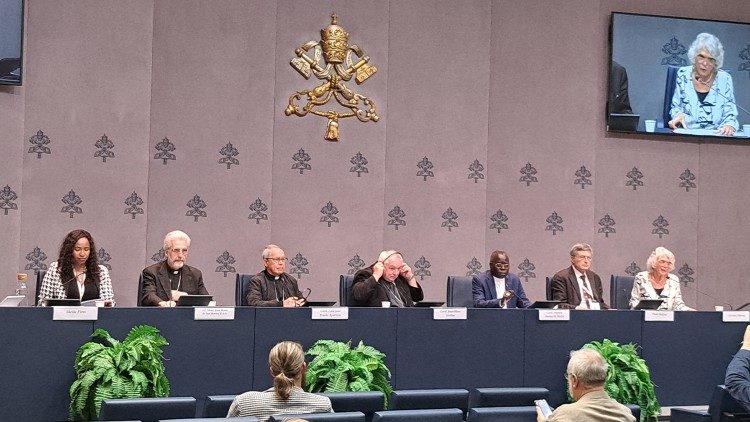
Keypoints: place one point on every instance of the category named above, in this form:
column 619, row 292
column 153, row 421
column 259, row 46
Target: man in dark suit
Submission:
column 388, row 280
column 619, row 100
column 273, row 286
column 738, row 373
column 497, row 287
column 165, row 281
column 577, row 287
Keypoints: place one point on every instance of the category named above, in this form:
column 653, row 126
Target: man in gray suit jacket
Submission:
column 165, row 281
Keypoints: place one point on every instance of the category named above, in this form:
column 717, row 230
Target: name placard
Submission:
column 75, row 313
column 448, row 313
column 554, row 315
column 213, row 313
column 663, row 316
column 330, row 313
column 735, row 316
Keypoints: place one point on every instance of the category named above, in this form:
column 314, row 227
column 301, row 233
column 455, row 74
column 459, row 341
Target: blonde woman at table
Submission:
column 658, row 283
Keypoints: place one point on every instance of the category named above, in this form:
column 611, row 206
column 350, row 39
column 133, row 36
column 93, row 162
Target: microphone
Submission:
column 717, row 300
column 711, row 88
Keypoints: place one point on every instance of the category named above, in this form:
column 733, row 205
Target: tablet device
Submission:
column 319, row 303
column 545, row 304
column 62, row 302
column 649, row 304
column 425, row 304
column 11, row 301
column 194, row 300
column 623, row 122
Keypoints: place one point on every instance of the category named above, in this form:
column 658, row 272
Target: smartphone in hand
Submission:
column 544, row 407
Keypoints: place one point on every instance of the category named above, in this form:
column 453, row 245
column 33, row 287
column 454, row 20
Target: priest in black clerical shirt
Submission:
column 273, row 286
column 165, row 281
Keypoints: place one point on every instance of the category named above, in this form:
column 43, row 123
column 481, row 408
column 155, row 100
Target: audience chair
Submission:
column 367, row 402
column 421, row 415
column 503, row 397
column 217, row 406
column 635, row 410
column 241, row 286
column 150, row 409
column 548, row 287
column 346, row 295
column 459, row 292
column 243, row 419
column 722, row 408
column 437, row 398
column 505, row 414
column 321, row 417
column 39, row 277
column 620, row 287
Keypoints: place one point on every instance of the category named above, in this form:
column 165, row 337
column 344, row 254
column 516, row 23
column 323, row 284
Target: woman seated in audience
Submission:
column 77, row 274
column 287, row 363
column 658, row 283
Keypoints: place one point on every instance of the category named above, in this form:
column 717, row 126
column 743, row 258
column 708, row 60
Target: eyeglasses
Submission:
column 584, row 258
column 705, row 59
column 501, row 265
column 276, row 260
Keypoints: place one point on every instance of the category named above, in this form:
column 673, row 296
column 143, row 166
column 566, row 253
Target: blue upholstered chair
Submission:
column 241, row 285
column 346, row 295
column 635, row 410
column 620, row 287
column 435, row 398
column 140, row 289
column 548, row 287
column 242, row 419
column 505, row 414
column 148, row 409
column 217, row 406
column 321, row 417
column 504, row 397
column 669, row 92
column 39, row 277
column 367, row 402
column 459, row 292
column 421, row 415
column 722, row 408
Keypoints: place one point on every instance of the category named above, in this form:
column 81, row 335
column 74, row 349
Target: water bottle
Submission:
column 21, row 289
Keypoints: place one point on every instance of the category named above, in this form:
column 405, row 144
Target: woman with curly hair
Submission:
column 77, row 274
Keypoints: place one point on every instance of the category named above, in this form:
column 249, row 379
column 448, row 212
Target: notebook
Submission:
column 623, row 122
column 649, row 304
column 194, row 300
column 11, row 301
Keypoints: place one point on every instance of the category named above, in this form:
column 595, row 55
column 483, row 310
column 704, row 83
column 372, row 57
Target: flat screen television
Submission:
column 652, row 77
column 11, row 42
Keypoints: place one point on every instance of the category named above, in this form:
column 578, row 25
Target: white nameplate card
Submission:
column 554, row 315
column 735, row 316
column 213, row 313
column 663, row 316
column 341, row 312
column 75, row 313
column 448, row 313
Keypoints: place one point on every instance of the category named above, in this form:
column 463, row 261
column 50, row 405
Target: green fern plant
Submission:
column 628, row 378
column 338, row 367
column 109, row 369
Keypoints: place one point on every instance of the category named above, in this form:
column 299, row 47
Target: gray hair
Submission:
column 175, row 235
column 588, row 366
column 578, row 247
column 658, row 253
column 387, row 254
column 709, row 42
column 267, row 250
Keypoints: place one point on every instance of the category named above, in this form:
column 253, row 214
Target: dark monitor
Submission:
column 11, row 42
column 311, row 303
column 619, row 122
column 545, row 304
column 652, row 74
column 649, row 304
column 425, row 304
column 194, row 300
column 62, row 302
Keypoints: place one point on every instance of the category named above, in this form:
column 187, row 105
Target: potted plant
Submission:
column 628, row 378
column 110, row 369
column 338, row 367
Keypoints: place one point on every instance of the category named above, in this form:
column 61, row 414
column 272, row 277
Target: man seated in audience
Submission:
column 166, row 281
column 273, row 286
column 738, row 373
column 387, row 280
column 586, row 374
column 497, row 287
column 577, row 286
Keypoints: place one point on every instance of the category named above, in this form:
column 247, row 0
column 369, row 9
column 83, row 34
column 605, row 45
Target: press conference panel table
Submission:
column 491, row 347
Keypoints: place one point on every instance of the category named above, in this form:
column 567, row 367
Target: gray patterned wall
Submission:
column 140, row 117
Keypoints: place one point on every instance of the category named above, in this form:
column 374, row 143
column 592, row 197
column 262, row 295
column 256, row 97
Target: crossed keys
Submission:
column 334, row 52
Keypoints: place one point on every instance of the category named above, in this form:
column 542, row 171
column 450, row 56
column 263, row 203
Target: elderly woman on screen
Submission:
column 704, row 94
column 658, row 283
column 287, row 364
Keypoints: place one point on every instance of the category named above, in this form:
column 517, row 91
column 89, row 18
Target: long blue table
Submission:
column 687, row 357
